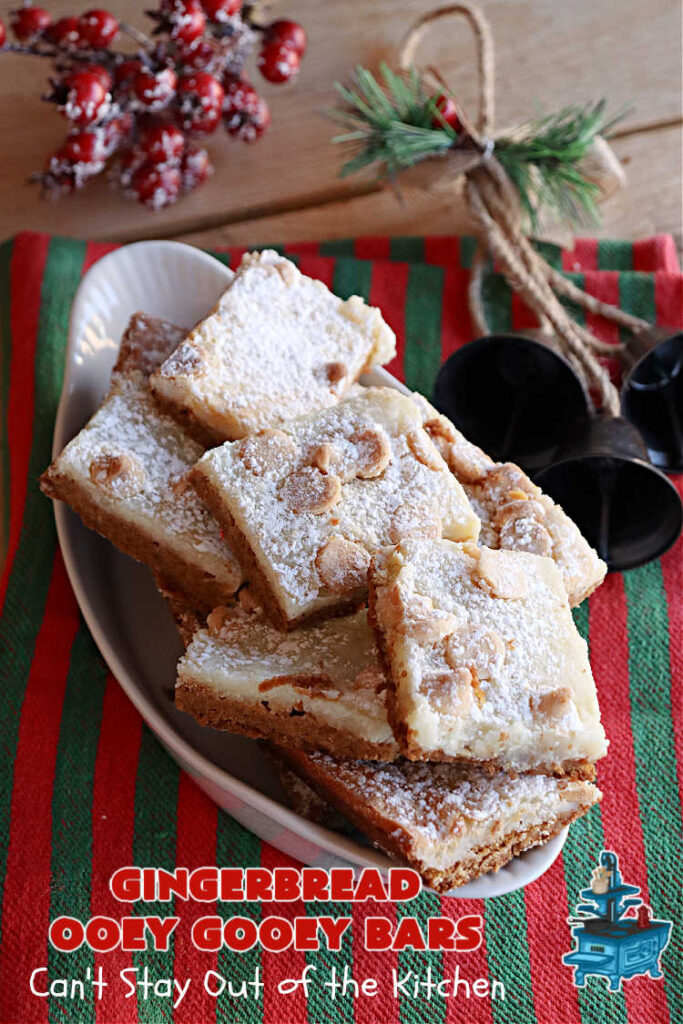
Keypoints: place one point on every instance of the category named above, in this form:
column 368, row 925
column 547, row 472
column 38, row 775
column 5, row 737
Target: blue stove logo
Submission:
column 610, row 944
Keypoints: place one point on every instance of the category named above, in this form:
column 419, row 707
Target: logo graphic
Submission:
column 610, row 942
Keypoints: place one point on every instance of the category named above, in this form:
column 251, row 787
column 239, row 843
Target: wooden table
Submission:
column 285, row 188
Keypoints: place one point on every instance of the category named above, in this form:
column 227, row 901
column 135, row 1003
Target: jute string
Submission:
column 496, row 209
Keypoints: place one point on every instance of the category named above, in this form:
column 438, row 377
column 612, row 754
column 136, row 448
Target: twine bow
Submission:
column 494, row 204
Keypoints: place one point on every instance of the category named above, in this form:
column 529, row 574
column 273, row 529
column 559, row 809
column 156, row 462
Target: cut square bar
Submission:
column 304, row 505
column 318, row 687
column 483, row 659
column 449, row 822
column 277, row 346
column 515, row 514
column 125, row 474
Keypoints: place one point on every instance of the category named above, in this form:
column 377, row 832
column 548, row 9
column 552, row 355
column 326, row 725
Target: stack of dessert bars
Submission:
column 355, row 583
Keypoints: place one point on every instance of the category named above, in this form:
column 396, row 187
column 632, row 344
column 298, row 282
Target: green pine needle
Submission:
column 543, row 157
column 391, row 125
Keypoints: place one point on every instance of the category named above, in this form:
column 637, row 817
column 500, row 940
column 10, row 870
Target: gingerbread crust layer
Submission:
column 579, row 769
column 200, row 586
column 259, row 720
column 389, row 836
column 188, row 421
column 258, row 581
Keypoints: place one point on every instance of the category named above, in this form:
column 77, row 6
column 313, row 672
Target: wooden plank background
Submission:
column 285, row 187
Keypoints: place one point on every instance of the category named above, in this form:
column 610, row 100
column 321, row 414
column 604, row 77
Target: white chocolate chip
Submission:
column 267, row 450
column 425, row 623
column 373, row 452
column 342, row 564
column 467, row 462
column 121, row 474
column 553, row 705
column 501, row 574
column 424, row 450
column 526, row 534
column 322, row 457
column 526, row 508
column 439, row 426
column 415, row 521
column 476, row 647
column 449, row 693
column 309, row 490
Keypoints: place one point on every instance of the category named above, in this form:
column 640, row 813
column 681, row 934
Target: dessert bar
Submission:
column 514, row 512
column 304, row 505
column 278, row 345
column 125, row 474
column 319, row 687
column 483, row 659
column 301, row 798
column 450, row 822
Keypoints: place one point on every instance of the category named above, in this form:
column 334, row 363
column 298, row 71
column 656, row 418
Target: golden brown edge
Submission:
column 199, row 585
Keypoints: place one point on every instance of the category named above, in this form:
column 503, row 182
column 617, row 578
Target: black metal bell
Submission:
column 652, row 393
column 514, row 397
column 625, row 507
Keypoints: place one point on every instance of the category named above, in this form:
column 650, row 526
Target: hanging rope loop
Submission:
column 495, row 207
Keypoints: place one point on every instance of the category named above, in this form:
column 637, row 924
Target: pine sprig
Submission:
column 543, row 159
column 394, row 124
column 391, row 125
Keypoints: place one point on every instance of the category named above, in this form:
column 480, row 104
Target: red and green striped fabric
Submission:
column 85, row 788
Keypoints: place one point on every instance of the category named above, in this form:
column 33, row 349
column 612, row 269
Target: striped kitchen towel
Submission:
column 85, row 788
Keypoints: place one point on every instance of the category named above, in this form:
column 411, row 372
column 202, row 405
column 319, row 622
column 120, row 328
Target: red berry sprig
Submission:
column 448, row 112
column 148, row 107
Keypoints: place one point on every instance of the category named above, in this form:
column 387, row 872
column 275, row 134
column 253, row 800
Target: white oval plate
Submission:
column 128, row 619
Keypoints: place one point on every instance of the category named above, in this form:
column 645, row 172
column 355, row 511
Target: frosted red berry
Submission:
column 115, row 131
column 240, row 95
column 29, row 23
column 287, row 33
column 125, row 72
column 86, row 99
column 154, row 90
column 85, row 148
column 278, row 63
column 64, row 32
column 3, row 33
column 162, row 143
column 98, row 28
column 102, row 73
column 200, row 97
column 221, row 10
column 245, row 115
column 188, row 22
column 449, row 112
column 156, row 187
column 195, row 167
column 199, row 56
